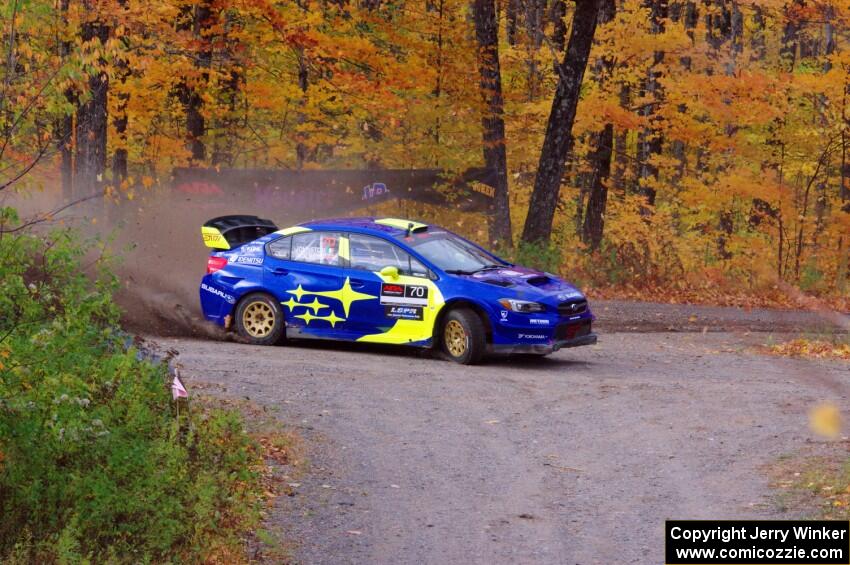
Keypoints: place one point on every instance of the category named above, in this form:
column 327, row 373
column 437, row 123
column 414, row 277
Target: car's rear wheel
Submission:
column 259, row 319
column 464, row 336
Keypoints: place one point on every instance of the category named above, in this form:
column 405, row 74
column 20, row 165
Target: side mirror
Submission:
column 390, row 271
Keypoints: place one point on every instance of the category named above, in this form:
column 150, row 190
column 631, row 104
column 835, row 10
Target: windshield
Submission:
column 451, row 253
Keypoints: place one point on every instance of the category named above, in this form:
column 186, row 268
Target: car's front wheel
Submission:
column 259, row 319
column 464, row 336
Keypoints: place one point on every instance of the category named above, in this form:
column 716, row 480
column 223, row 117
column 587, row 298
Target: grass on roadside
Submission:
column 816, row 486
column 95, row 464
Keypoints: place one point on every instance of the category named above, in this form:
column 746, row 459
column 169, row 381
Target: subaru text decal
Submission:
column 219, row 293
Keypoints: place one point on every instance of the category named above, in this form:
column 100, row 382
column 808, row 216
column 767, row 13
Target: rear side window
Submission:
column 373, row 254
column 280, row 248
column 318, row 247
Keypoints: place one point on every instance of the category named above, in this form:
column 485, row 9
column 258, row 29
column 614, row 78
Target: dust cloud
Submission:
column 156, row 239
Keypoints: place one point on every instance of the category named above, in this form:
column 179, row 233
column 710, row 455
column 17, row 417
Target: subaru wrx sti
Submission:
column 384, row 280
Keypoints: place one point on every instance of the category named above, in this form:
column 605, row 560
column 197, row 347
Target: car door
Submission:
column 305, row 272
column 405, row 307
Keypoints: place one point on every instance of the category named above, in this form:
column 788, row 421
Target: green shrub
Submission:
column 94, row 465
column 542, row 256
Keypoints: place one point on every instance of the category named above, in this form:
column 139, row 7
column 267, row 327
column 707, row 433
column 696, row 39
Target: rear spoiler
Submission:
column 227, row 232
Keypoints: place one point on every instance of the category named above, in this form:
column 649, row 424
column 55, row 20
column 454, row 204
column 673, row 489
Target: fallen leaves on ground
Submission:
column 806, row 348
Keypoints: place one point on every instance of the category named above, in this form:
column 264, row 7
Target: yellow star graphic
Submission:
column 346, row 295
column 315, row 305
column 307, row 317
column 333, row 319
column 291, row 304
column 298, row 292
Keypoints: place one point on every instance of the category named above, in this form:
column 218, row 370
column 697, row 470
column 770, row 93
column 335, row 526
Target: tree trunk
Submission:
column 64, row 126
column 92, row 117
column 64, row 141
column 222, row 153
column 558, row 138
column 790, row 38
column 622, row 162
column 594, row 218
column 226, row 141
column 119, row 158
column 844, row 188
column 511, row 15
column 301, row 154
column 559, row 26
column 493, row 123
column 190, row 94
column 822, row 200
column 651, row 139
column 120, row 121
column 758, row 45
column 603, row 141
column 534, row 10
column 737, row 37
column 438, row 87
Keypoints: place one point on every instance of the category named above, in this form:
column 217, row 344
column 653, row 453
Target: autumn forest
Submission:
column 651, row 144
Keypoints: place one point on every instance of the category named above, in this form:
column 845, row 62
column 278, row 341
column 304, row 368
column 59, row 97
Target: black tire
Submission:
column 466, row 348
column 259, row 319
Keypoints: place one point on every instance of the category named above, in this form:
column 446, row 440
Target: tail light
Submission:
column 215, row 264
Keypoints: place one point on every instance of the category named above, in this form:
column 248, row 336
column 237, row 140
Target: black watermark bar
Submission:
column 757, row 542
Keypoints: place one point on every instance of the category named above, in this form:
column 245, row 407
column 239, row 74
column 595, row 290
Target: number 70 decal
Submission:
column 415, row 294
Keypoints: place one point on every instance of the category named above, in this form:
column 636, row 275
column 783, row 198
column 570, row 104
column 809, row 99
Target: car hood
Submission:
column 526, row 284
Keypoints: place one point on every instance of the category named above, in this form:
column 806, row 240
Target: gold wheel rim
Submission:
column 455, row 338
column 258, row 319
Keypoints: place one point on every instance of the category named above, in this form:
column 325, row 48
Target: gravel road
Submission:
column 574, row 458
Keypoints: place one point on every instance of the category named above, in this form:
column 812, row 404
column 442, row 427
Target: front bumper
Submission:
column 543, row 348
column 535, row 340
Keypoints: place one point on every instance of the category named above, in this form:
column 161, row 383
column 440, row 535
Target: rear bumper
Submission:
column 543, row 349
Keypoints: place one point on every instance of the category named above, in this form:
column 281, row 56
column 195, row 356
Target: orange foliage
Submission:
column 753, row 122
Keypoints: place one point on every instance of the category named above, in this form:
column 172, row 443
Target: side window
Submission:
column 316, row 247
column 280, row 248
column 417, row 269
column 373, row 254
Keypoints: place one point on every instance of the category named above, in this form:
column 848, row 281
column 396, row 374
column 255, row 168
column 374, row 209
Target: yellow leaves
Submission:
column 24, row 49
column 4, row 354
column 812, row 348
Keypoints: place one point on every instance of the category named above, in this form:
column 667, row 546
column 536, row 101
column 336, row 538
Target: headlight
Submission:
column 524, row 306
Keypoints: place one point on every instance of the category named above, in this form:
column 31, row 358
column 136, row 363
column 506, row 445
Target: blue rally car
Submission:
column 383, row 280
